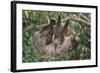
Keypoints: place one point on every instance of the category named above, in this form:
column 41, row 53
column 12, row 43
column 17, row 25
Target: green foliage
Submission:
column 83, row 51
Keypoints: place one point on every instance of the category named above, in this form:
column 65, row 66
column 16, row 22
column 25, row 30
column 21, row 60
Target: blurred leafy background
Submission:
column 83, row 51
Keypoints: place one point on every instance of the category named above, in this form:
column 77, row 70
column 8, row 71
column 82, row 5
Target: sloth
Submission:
column 52, row 41
column 48, row 31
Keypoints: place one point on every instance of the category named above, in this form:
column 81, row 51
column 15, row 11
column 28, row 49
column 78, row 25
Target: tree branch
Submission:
column 77, row 19
column 84, row 17
column 32, row 26
column 86, row 23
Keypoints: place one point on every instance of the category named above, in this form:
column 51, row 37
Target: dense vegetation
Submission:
column 31, row 19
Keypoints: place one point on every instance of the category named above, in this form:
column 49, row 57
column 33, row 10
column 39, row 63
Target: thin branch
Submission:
column 84, row 17
column 77, row 19
column 82, row 21
column 32, row 27
column 28, row 28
